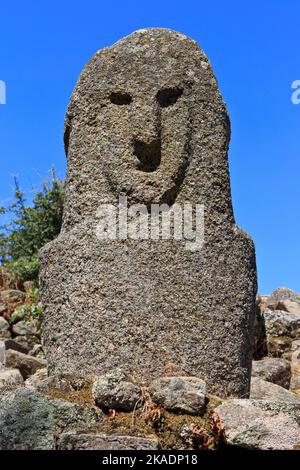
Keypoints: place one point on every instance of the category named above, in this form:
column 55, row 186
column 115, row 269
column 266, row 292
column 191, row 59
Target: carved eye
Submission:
column 168, row 96
column 120, row 98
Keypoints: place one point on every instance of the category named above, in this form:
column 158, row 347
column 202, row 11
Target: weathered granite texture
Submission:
column 261, row 425
column 146, row 121
column 72, row 441
column 31, row 421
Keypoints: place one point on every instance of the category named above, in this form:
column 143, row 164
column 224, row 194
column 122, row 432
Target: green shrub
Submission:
column 31, row 226
column 18, row 314
column 31, row 310
column 26, row 312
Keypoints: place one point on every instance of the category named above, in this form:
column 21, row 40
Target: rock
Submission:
column 295, row 384
column 283, row 293
column 147, row 124
column 32, row 421
column 115, row 391
column 28, row 285
column 12, row 296
column 9, row 377
column 263, row 390
column 2, row 352
column 295, row 345
column 38, row 379
column 295, row 367
column 281, row 323
column 77, row 383
column 289, row 306
column 179, row 394
column 254, row 425
column 27, row 365
column 275, row 370
column 27, row 342
column 3, row 308
column 71, row 441
column 15, row 346
column 42, row 382
column 27, row 328
column 281, row 329
column 5, row 335
column 4, row 325
column 37, row 351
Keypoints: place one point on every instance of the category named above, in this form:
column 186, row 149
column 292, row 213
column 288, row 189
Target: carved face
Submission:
column 144, row 138
column 146, row 121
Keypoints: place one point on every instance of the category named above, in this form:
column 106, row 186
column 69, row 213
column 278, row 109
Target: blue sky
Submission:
column 254, row 49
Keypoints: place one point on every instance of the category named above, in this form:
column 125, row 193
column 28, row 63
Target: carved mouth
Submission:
column 149, row 155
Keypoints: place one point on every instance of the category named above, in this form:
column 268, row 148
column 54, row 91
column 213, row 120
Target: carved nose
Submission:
column 148, row 154
column 147, row 136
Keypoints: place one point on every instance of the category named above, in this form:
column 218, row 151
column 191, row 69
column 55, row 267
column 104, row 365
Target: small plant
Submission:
column 36, row 311
column 34, row 295
column 18, row 314
column 31, row 310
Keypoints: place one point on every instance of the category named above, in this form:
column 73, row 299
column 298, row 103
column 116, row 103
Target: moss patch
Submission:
column 81, row 397
column 173, row 431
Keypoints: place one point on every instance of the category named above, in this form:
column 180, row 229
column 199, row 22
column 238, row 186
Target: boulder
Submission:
column 275, row 370
column 27, row 342
column 4, row 325
column 11, row 296
column 283, row 293
column 114, row 390
column 263, row 390
column 38, row 379
column 27, row 365
column 28, row 285
column 71, row 441
column 2, row 352
column 6, row 344
column 15, row 346
column 42, row 382
column 29, row 420
column 180, row 394
column 9, row 377
column 5, row 335
column 295, row 367
column 290, row 306
column 281, row 329
column 37, row 351
column 252, row 424
column 3, row 308
column 295, row 384
column 27, row 328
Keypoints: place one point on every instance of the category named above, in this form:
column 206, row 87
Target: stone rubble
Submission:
column 270, row 419
column 31, row 421
column 116, row 391
column 250, row 424
column 26, row 364
column 180, row 394
column 71, row 441
column 275, row 370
